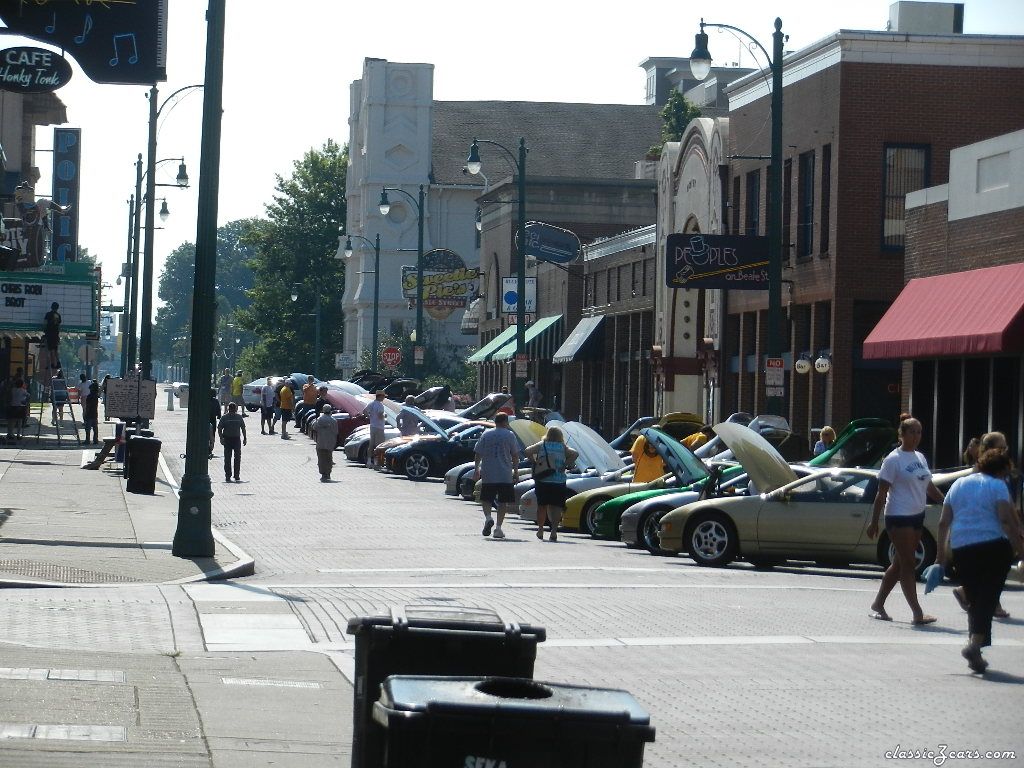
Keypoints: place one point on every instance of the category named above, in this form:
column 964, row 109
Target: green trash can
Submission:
column 437, row 722
column 430, row 640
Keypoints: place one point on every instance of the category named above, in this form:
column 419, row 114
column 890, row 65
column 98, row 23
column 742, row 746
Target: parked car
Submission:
column 459, row 480
column 357, row 444
column 821, row 517
column 253, row 391
column 434, row 454
column 862, row 443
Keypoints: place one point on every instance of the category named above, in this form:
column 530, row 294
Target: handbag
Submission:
column 544, row 474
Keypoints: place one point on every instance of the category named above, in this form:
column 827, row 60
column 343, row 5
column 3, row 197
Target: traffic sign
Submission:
column 775, row 377
column 344, row 360
column 521, row 363
column 418, row 353
column 391, row 357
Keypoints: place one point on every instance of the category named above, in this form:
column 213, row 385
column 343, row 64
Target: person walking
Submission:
column 550, row 458
column 231, row 429
column 496, row 465
column 325, row 432
column 225, row 387
column 286, row 398
column 103, row 390
column 378, row 422
column 17, row 407
column 979, row 532
column 91, row 414
column 972, row 451
column 267, row 398
column 533, row 395
column 214, row 417
column 236, row 393
column 904, row 487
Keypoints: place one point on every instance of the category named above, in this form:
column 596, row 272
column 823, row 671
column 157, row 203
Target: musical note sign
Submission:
column 114, row 41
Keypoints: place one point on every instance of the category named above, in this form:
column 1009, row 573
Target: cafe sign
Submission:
column 448, row 284
column 727, row 262
column 33, row 70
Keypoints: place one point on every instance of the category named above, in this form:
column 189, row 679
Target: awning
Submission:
column 470, row 324
column 540, row 338
column 585, row 341
column 964, row 313
column 483, row 354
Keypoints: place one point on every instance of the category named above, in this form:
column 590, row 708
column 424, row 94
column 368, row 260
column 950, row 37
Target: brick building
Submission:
column 868, row 118
column 958, row 325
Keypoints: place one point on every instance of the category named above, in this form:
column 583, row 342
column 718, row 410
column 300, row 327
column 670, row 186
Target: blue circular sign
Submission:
column 511, row 297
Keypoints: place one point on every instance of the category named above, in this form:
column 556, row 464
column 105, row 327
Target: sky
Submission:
column 288, row 67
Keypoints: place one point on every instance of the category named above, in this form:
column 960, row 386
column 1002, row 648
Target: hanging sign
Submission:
column 33, row 70
column 729, row 262
column 547, row 243
column 448, row 284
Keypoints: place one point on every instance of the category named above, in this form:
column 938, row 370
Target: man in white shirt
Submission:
column 375, row 412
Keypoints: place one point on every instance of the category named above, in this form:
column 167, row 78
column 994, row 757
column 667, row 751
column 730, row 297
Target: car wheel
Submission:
column 417, row 466
column 251, row 408
column 588, row 518
column 648, row 528
column 923, row 557
column 712, row 538
column 364, row 453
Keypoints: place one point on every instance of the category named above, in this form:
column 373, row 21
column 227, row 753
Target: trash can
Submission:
column 129, row 433
column 143, row 458
column 430, row 640
column 430, row 722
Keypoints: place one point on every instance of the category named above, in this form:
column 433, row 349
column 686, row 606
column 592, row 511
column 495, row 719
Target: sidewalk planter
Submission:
column 430, row 640
column 143, row 458
column 431, row 722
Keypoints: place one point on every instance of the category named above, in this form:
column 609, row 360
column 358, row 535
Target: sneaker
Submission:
column 972, row 654
column 238, row 479
column 553, row 536
column 499, row 534
column 227, row 479
column 488, row 525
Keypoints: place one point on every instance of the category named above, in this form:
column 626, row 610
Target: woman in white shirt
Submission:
column 904, row 487
column 980, row 532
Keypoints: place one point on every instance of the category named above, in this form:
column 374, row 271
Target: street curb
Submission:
column 243, row 566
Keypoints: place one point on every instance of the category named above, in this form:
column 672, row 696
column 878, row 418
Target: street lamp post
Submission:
column 133, row 308
column 194, row 536
column 146, row 329
column 384, row 207
column 316, row 331
column 700, row 64
column 376, row 284
column 473, row 165
column 126, row 275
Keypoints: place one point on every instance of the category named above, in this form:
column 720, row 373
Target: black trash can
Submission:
column 143, row 458
column 435, row 722
column 129, row 433
column 430, row 640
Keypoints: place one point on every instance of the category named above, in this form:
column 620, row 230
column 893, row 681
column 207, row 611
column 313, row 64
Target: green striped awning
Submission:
column 483, row 354
column 539, row 336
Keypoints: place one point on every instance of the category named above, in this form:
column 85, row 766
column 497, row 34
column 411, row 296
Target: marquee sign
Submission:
column 33, row 70
column 728, row 262
column 26, row 296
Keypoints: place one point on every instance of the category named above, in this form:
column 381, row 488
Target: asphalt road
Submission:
column 735, row 666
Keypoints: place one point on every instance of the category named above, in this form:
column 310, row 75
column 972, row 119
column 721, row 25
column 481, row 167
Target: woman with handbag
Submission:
column 550, row 458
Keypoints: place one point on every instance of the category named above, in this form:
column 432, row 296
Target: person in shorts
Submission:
column 496, row 458
column 286, row 397
column 904, row 488
column 378, row 423
column 267, row 400
column 550, row 458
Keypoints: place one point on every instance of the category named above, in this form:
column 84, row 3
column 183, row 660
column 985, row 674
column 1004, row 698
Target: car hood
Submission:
column 528, row 432
column 593, row 449
column 762, row 462
column 432, row 426
column 677, row 457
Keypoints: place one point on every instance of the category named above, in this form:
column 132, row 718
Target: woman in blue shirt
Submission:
column 980, row 532
column 550, row 458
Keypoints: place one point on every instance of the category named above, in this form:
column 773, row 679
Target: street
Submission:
column 736, row 666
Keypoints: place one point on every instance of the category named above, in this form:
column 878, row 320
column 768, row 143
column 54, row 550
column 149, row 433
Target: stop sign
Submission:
column 391, row 356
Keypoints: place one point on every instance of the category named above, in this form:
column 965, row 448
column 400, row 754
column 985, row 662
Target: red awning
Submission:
column 963, row 313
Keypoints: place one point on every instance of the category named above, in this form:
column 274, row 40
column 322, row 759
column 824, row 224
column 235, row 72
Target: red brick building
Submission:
column 868, row 118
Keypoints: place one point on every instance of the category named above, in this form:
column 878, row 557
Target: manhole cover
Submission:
column 31, row 569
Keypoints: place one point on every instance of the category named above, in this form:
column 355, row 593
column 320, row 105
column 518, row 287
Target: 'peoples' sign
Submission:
column 727, row 262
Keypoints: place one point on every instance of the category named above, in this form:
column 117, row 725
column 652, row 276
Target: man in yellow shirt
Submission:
column 236, row 393
column 286, row 398
column 309, row 392
column 647, row 464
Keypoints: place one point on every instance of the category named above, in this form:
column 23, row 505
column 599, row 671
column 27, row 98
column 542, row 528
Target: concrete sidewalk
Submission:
column 61, row 525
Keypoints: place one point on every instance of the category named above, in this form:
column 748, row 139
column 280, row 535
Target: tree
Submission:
column 675, row 116
column 294, row 249
column 172, row 330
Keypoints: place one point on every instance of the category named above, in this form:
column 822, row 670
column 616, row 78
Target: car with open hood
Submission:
column 433, row 452
column 684, row 468
column 821, row 517
column 357, row 445
column 459, row 480
column 862, row 443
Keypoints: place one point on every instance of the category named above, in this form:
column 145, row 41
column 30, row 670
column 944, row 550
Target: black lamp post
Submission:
column 473, row 165
column 127, row 331
column 376, row 283
column 146, row 329
column 700, row 65
column 316, row 333
column 193, row 536
column 385, row 206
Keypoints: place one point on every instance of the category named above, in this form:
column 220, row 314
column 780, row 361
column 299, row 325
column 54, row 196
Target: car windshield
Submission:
column 864, row 448
column 843, row 488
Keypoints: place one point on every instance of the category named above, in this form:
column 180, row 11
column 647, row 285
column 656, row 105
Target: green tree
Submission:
column 173, row 327
column 675, row 116
column 294, row 251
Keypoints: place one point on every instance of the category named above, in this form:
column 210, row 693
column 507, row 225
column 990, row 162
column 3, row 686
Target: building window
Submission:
column 905, row 170
column 787, row 210
column 734, row 215
column 805, row 207
column 826, row 196
column 636, row 287
column 753, row 203
column 623, row 283
column 610, row 281
column 600, row 297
